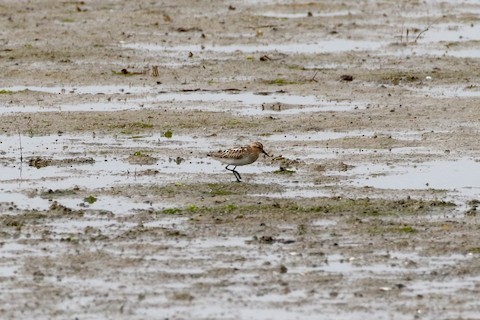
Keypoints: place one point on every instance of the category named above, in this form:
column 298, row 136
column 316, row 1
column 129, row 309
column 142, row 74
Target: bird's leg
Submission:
column 235, row 173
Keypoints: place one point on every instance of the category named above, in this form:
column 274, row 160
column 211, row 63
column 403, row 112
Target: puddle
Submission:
column 462, row 175
column 435, row 52
column 296, row 104
column 305, row 103
column 324, row 153
column 8, row 271
column 328, row 66
column 90, row 145
column 84, row 89
column 396, row 263
column 325, row 46
column 12, row 249
column 434, row 9
column 298, row 15
column 24, row 202
column 323, row 223
column 333, row 135
column 324, row 107
column 315, row 136
column 241, row 97
column 94, row 106
column 449, row 32
column 75, row 226
column 168, row 222
column 460, row 38
column 460, row 53
column 27, row 109
column 449, row 91
column 115, row 204
column 445, row 287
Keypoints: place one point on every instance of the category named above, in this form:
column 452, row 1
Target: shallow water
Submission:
column 331, row 46
column 435, row 52
column 450, row 32
column 250, row 98
column 243, row 103
column 94, row 89
column 461, row 177
column 321, row 153
column 106, row 175
column 445, row 287
column 332, row 135
column 300, row 15
column 75, row 226
column 448, row 91
column 106, row 171
column 216, row 267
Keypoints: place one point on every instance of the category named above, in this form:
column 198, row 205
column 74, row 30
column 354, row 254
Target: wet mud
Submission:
column 110, row 207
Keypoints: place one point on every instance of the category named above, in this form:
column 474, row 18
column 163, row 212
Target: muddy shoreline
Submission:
column 109, row 207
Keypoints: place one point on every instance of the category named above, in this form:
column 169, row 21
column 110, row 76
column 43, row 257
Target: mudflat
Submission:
column 110, row 207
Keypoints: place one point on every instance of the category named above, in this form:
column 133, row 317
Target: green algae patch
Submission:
column 378, row 207
column 217, row 189
column 284, row 171
column 321, row 207
column 90, row 199
column 280, row 82
column 51, row 194
column 172, row 211
column 168, row 134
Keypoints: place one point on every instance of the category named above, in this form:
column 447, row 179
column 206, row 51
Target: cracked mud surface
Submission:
column 109, row 207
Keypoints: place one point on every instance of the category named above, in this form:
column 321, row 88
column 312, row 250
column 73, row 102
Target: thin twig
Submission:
column 421, row 32
column 21, row 153
column 426, row 29
column 21, row 149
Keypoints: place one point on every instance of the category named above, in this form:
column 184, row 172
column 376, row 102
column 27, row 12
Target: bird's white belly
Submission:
column 238, row 162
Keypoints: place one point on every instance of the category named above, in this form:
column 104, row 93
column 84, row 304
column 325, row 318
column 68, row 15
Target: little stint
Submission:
column 238, row 156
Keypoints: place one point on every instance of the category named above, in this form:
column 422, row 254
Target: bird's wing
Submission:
column 233, row 153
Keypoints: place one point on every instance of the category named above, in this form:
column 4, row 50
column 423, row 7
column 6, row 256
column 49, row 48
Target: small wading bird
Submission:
column 239, row 156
